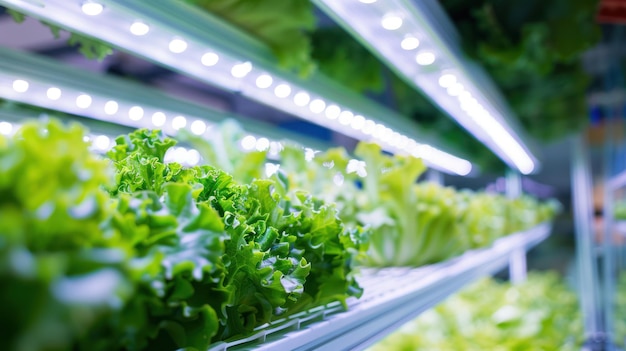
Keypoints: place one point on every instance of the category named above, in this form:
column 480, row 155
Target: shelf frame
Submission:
column 392, row 297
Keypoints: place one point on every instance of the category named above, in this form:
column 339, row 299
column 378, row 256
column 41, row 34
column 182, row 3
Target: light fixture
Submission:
column 317, row 105
column 102, row 142
column 209, row 59
column 53, row 93
column 241, row 70
column 83, row 101
column 332, row 111
column 345, row 117
column 391, row 21
column 264, row 81
column 111, row 107
column 410, row 43
column 282, row 90
column 368, row 127
column 6, row 128
column 358, row 122
column 425, row 58
column 239, row 55
column 301, row 99
column 455, row 89
column 447, row 80
column 92, row 8
column 248, row 142
column 179, row 122
column 158, row 118
column 198, row 127
column 262, row 144
column 177, row 46
column 368, row 1
column 135, row 113
column 139, row 28
column 438, row 59
column 20, row 85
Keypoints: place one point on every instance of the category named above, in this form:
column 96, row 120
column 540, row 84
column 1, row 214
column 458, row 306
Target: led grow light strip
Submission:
column 177, row 36
column 400, row 33
column 42, row 82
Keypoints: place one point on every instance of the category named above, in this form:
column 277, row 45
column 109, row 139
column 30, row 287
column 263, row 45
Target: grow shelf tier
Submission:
column 392, row 297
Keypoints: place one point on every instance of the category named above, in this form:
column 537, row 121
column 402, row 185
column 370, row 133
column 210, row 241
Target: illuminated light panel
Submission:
column 102, row 142
column 301, row 99
column 53, row 93
column 346, row 117
column 83, row 101
column 332, row 111
column 248, row 142
column 210, row 59
column 177, row 46
column 317, row 106
column 241, row 70
column 179, row 122
column 262, row 144
column 264, row 81
column 282, row 90
column 6, row 128
column 20, row 85
column 425, row 58
column 358, row 122
column 368, row 127
column 198, row 127
column 368, row 1
column 111, row 107
column 391, row 21
column 410, row 43
column 455, row 90
column 447, row 80
column 92, row 8
column 139, row 28
column 135, row 113
column 158, row 118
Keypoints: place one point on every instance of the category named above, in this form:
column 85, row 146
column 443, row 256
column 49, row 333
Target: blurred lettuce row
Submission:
column 540, row 314
column 406, row 222
column 133, row 253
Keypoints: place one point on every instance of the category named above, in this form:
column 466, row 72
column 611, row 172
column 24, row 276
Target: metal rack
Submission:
column 391, row 297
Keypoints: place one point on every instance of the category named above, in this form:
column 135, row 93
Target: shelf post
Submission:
column 517, row 260
column 434, row 176
column 588, row 282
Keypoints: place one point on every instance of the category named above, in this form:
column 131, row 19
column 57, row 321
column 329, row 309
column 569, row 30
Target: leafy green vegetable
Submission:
column 282, row 25
column 61, row 269
column 283, row 252
column 90, row 47
column 538, row 314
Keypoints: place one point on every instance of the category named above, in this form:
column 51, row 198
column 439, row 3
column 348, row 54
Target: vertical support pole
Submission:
column 608, row 254
column 588, row 282
column 434, row 176
column 517, row 260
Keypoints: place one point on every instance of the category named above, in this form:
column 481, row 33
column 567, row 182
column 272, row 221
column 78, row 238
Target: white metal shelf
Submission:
column 391, row 297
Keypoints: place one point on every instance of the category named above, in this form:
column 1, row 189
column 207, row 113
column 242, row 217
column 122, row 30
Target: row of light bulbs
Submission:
column 454, row 88
column 112, row 107
column 316, row 105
